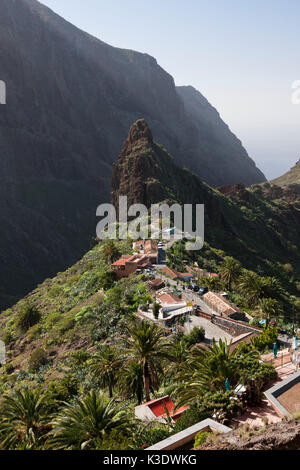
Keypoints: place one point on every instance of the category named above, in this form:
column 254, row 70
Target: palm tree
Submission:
column 252, row 286
column 273, row 288
column 230, row 270
column 84, row 424
column 111, row 251
column 269, row 308
column 131, row 380
column 24, row 420
column 146, row 346
column 105, row 367
column 177, row 355
column 207, row 370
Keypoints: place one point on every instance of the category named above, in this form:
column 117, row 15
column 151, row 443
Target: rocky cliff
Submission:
column 280, row 436
column 70, row 102
column 250, row 224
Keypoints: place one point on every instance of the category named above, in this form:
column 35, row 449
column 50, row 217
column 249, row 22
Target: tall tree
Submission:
column 270, row 307
column 131, row 380
column 230, row 270
column 105, row 366
column 252, row 286
column 146, row 345
column 207, row 370
column 111, row 251
column 84, row 424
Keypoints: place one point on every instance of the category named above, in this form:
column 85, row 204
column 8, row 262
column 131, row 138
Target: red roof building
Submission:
column 157, row 410
column 170, row 273
column 129, row 264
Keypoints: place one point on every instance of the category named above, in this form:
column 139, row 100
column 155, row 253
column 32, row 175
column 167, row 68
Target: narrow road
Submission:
column 190, row 295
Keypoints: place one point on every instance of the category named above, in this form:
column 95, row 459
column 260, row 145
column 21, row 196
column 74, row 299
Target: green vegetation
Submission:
column 80, row 359
column 262, row 296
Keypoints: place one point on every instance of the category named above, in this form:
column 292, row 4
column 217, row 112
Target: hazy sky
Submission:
column 243, row 55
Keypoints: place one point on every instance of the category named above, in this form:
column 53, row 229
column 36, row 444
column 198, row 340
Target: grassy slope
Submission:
column 262, row 233
column 289, row 178
column 69, row 305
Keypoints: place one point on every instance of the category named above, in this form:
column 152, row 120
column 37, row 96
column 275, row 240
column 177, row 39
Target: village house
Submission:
column 170, row 302
column 172, row 307
column 156, row 284
column 189, row 274
column 197, row 272
column 147, row 247
column 129, row 264
column 186, row 277
column 171, row 273
column 221, row 305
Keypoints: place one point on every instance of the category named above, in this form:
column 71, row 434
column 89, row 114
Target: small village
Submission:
column 182, row 304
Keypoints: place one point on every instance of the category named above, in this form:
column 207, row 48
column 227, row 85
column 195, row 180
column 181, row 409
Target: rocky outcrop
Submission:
column 265, row 190
column 242, row 222
column 280, row 436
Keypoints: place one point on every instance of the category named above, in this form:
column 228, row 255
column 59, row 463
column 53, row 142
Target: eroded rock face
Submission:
column 280, row 436
column 243, row 222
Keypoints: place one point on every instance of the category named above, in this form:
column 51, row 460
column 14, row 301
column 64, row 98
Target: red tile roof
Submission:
column 159, row 406
column 170, row 272
column 120, row 262
column 220, row 303
column 168, row 298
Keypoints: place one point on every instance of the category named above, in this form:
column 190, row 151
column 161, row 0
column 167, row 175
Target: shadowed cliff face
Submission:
column 255, row 225
column 70, row 102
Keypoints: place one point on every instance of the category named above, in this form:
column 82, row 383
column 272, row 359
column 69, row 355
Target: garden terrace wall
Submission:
column 233, row 327
column 187, row 436
column 274, row 393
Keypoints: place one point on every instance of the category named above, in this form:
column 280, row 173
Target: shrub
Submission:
column 28, row 317
column 190, row 417
column 63, row 390
column 83, row 314
column 55, row 291
column 266, row 339
column 9, row 368
column 151, row 436
column 200, row 438
column 37, row 359
column 34, row 332
column 155, row 310
column 197, row 335
column 66, row 324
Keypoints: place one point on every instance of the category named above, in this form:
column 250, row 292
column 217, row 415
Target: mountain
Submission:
column 253, row 225
column 71, row 99
column 83, row 304
column 290, row 178
column 216, row 140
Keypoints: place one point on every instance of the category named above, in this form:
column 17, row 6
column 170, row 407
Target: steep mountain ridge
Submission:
column 215, row 138
column 71, row 99
column 245, row 223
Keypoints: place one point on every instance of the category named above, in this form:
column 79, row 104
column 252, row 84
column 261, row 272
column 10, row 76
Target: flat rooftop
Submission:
column 285, row 396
